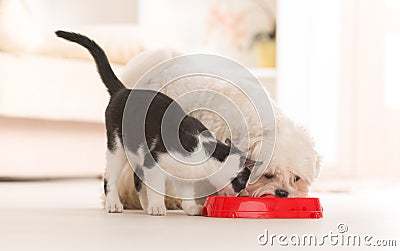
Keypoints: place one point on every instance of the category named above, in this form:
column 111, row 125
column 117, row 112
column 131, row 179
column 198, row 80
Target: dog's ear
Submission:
column 249, row 163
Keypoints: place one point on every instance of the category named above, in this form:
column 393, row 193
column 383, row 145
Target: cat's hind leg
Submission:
column 116, row 160
column 154, row 192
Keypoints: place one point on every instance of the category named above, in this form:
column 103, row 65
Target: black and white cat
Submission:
column 146, row 148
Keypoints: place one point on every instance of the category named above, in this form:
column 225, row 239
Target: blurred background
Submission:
column 331, row 65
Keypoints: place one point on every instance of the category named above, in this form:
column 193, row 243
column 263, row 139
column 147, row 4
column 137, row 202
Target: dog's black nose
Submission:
column 281, row 193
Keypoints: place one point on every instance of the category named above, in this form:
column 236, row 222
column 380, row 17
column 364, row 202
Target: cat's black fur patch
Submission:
column 150, row 160
column 105, row 186
column 217, row 150
column 240, row 181
column 137, row 179
column 113, row 115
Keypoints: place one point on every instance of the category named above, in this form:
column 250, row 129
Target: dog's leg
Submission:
column 190, row 206
column 155, row 194
column 116, row 159
column 171, row 200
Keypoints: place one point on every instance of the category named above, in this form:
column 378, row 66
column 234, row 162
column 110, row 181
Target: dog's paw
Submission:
column 193, row 210
column 227, row 191
column 113, row 205
column 158, row 209
column 173, row 204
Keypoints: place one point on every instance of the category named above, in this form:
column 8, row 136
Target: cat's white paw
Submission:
column 158, row 209
column 193, row 210
column 113, row 205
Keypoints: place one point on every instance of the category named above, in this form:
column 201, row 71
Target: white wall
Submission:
column 308, row 55
column 73, row 12
column 339, row 75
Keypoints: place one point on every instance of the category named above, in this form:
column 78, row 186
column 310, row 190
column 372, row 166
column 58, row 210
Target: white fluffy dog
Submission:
column 294, row 164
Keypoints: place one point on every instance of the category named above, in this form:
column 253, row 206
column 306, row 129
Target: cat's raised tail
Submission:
column 107, row 75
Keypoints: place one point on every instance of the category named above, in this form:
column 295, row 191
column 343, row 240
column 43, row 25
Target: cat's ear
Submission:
column 234, row 149
column 249, row 163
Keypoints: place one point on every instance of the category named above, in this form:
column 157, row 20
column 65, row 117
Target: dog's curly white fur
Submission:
column 294, row 164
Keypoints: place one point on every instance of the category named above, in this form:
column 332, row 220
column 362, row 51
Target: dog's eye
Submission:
column 296, row 178
column 268, row 176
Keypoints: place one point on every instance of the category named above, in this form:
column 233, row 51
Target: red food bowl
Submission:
column 264, row 207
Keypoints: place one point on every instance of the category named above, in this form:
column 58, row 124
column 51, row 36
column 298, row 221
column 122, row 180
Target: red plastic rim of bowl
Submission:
column 264, row 207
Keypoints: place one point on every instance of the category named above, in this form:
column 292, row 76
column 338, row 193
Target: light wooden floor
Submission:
column 67, row 215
